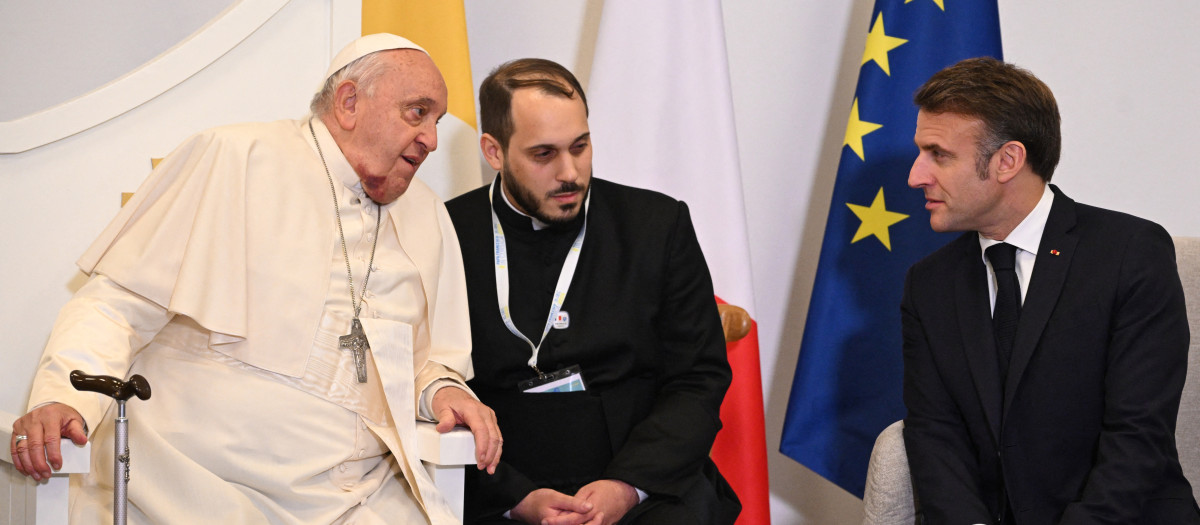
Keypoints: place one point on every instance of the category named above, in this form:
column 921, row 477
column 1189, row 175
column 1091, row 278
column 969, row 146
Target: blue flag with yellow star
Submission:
column 847, row 387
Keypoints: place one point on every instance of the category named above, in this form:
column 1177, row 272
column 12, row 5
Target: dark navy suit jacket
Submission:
column 1083, row 430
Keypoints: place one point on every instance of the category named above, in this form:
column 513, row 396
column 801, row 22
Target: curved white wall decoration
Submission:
column 135, row 88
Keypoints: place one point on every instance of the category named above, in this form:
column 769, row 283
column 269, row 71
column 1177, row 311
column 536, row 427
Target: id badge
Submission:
column 569, row 379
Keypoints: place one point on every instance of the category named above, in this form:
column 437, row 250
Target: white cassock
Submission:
column 223, row 282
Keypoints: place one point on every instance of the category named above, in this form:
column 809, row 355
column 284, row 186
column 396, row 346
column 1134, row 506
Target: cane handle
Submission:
column 111, row 386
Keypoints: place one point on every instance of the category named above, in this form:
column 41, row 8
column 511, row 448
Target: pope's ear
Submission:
column 345, row 104
column 492, row 152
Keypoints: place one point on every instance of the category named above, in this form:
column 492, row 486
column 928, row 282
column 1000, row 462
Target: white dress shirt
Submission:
column 1027, row 236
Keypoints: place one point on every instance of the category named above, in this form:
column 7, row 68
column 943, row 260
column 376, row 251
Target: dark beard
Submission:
column 527, row 201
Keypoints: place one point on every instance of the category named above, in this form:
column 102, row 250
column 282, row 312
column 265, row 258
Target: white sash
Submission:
column 392, row 348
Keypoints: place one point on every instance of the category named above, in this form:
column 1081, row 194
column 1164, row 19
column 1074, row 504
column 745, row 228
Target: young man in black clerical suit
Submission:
column 1046, row 348
column 596, row 334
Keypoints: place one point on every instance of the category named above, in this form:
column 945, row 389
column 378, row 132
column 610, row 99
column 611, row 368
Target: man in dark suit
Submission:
column 1046, row 348
column 633, row 354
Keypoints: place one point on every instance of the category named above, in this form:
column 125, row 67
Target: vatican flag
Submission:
column 440, row 28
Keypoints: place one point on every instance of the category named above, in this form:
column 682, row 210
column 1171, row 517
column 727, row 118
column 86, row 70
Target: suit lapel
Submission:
column 1045, row 286
column 974, row 322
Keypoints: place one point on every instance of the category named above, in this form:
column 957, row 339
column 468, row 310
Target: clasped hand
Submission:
column 601, row 502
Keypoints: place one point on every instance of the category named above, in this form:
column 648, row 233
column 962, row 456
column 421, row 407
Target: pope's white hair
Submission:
column 364, row 71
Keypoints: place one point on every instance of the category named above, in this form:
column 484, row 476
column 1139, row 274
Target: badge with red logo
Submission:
column 562, row 320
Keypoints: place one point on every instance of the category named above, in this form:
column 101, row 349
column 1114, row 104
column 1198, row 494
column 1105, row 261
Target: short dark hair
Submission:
column 1011, row 102
column 495, row 93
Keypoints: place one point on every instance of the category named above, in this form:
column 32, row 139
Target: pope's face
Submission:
column 395, row 124
column 961, row 194
column 547, row 166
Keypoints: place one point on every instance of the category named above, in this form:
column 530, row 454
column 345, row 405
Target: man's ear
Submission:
column 1010, row 160
column 492, row 152
column 345, row 104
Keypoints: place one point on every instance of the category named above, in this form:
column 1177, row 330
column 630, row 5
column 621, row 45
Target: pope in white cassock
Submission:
column 242, row 280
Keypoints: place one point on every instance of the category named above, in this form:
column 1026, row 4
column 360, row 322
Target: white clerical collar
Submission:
column 537, row 225
column 1028, row 234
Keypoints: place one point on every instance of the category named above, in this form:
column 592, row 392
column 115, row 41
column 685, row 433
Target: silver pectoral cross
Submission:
column 357, row 342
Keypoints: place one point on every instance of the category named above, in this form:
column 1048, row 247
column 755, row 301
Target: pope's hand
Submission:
column 43, row 428
column 454, row 406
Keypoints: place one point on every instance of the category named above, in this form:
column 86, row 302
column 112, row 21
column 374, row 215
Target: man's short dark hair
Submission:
column 1011, row 102
column 495, row 93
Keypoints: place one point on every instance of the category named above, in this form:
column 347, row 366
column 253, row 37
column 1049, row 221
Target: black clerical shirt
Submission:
column 535, row 259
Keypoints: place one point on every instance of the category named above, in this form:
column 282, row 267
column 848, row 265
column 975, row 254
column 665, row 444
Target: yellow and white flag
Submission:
column 441, row 28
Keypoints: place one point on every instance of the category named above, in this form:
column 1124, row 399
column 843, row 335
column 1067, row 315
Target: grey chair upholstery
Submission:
column 889, row 498
column 1187, row 431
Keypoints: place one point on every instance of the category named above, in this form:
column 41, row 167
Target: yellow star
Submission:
column 855, row 129
column 875, row 221
column 940, row 3
column 878, row 45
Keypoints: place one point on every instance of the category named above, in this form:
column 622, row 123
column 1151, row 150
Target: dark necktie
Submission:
column 1007, row 312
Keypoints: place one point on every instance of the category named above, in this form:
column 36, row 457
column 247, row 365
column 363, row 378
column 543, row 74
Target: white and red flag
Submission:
column 662, row 118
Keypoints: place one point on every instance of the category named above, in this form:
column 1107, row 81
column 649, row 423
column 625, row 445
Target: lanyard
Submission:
column 560, row 290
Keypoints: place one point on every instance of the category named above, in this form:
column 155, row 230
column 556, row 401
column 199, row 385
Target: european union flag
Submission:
column 848, row 379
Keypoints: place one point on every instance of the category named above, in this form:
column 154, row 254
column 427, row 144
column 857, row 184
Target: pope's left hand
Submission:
column 454, row 406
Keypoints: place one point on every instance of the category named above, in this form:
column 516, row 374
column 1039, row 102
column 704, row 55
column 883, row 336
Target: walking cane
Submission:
column 121, row 391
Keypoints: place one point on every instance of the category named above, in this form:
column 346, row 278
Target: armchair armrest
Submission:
column 41, row 503
column 446, row 457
